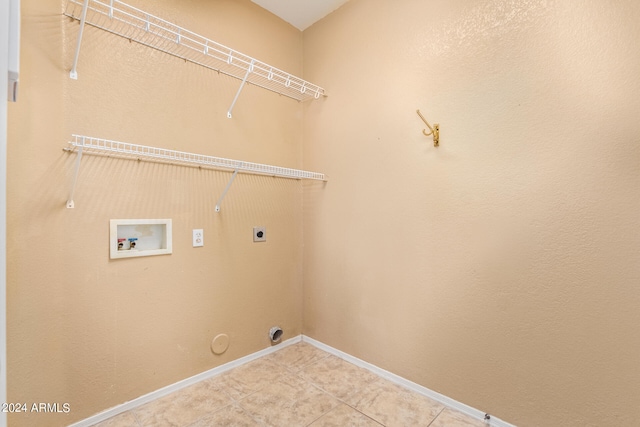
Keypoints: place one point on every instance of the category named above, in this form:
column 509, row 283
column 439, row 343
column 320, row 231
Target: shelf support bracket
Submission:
column 70, row 204
column 246, row 76
column 224, row 193
column 74, row 73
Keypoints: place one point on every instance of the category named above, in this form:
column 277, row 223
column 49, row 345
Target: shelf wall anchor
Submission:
column 224, row 193
column 435, row 130
column 246, row 76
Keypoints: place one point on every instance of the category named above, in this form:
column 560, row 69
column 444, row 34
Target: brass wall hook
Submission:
column 435, row 130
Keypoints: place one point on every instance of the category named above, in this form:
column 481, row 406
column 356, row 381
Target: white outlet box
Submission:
column 259, row 234
column 139, row 237
column 198, row 237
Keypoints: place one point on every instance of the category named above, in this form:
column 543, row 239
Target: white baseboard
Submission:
column 451, row 403
column 447, row 401
column 111, row 412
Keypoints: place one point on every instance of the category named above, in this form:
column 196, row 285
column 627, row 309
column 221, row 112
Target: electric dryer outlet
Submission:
column 259, row 234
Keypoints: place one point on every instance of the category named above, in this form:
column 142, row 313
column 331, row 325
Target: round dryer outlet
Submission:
column 275, row 334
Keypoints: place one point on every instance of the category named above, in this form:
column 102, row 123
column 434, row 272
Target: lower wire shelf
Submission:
column 85, row 144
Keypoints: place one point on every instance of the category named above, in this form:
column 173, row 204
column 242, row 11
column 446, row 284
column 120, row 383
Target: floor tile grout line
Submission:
column 344, row 402
column 326, row 413
column 320, row 416
column 135, row 417
column 249, row 414
column 436, row 417
column 371, row 418
column 362, row 413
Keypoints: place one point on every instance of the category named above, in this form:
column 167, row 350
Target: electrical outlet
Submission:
column 198, row 238
column 259, row 234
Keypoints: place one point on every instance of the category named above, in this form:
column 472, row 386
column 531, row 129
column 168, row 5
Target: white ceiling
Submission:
column 300, row 13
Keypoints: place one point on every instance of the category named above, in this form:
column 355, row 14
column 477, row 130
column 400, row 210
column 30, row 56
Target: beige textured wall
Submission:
column 95, row 333
column 502, row 268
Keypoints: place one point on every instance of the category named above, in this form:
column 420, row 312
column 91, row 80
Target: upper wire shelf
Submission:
column 136, row 25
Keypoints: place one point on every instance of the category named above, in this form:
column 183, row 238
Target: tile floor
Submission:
column 299, row 385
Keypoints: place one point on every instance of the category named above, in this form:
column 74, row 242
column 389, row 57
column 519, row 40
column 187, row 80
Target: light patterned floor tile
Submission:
column 231, row 415
column 452, row 418
column 273, row 406
column 184, row 406
column 343, row 416
column 298, row 385
column 337, row 377
column 249, row 378
column 296, row 357
column 392, row 405
column 291, row 387
column 126, row 419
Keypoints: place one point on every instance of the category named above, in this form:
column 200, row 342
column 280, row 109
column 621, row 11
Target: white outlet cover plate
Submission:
column 198, row 237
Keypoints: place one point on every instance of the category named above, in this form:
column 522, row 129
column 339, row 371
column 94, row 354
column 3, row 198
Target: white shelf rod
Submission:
column 249, row 70
column 224, row 193
column 136, row 25
column 70, row 204
column 74, row 72
column 86, row 144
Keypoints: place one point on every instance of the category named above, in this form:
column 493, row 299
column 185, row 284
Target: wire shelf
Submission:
column 136, row 25
column 104, row 146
